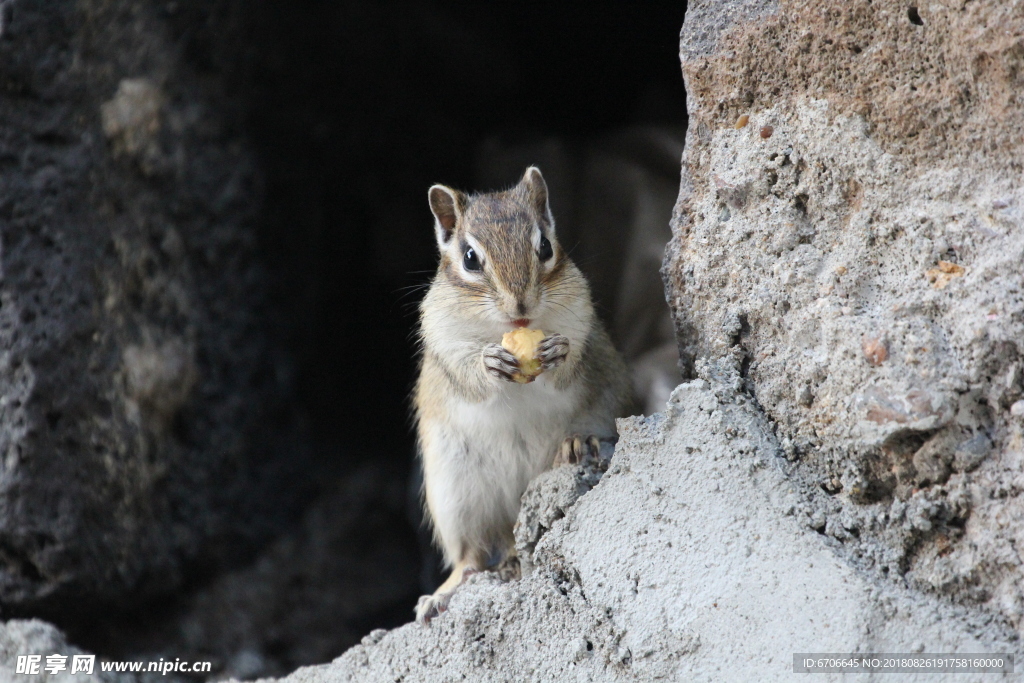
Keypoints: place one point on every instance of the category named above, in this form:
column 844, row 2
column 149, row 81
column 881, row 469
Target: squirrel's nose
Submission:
column 521, row 308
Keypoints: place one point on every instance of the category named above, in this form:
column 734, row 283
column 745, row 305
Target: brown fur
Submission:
column 481, row 436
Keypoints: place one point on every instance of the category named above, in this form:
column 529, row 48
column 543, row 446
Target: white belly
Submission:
column 486, row 453
column 526, row 421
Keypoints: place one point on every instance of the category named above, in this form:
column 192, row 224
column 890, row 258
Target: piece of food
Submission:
column 522, row 344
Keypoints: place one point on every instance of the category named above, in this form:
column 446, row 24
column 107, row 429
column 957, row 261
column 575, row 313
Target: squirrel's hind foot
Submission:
column 576, row 449
column 508, row 569
column 431, row 606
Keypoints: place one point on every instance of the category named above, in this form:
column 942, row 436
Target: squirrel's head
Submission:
column 499, row 249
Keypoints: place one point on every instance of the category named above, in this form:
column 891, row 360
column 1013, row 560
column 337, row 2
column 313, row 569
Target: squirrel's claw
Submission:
column 576, row 449
column 500, row 363
column 430, row 606
column 552, row 351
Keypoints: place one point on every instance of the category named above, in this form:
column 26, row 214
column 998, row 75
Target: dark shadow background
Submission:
column 355, row 109
column 359, row 108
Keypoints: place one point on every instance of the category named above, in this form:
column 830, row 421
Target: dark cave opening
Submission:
column 355, row 109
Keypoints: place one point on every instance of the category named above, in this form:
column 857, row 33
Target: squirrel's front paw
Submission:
column 500, row 363
column 552, row 351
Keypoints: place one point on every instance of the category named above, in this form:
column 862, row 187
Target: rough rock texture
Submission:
column 141, row 416
column 687, row 560
column 857, row 248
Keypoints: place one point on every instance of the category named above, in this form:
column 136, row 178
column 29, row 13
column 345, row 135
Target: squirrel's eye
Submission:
column 545, row 251
column 470, row 261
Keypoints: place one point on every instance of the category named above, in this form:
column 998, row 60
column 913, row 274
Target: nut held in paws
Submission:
column 522, row 344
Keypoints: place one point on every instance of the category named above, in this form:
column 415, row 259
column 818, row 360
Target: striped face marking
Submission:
column 500, row 247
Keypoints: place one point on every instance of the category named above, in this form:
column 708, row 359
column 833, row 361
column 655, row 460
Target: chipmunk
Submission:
column 482, row 435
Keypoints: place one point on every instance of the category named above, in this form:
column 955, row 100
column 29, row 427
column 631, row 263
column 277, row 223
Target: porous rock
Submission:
column 687, row 558
column 143, row 423
column 862, row 264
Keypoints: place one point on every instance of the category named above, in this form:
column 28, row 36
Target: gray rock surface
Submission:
column 686, row 561
column 142, row 416
column 857, row 247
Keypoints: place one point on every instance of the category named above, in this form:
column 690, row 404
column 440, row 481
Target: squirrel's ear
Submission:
column 537, row 191
column 446, row 204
